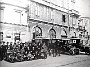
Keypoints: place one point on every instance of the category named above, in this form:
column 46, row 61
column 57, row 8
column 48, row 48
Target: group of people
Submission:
column 22, row 51
column 19, row 51
column 26, row 51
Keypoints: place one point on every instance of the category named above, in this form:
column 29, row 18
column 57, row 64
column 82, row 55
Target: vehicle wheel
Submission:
column 89, row 53
column 86, row 53
column 71, row 52
column 77, row 52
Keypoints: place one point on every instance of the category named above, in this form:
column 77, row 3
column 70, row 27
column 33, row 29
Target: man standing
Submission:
column 0, row 51
column 3, row 50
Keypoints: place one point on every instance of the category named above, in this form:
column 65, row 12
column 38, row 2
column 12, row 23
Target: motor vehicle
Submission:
column 65, row 46
column 75, row 42
column 86, row 49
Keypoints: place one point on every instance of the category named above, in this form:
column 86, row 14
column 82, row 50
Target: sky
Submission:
column 84, row 7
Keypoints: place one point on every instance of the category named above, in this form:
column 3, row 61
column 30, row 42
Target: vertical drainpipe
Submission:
column 28, row 25
column 20, row 25
column 68, row 21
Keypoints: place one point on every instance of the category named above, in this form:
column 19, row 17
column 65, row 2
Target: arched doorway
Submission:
column 52, row 33
column 63, row 33
column 37, row 32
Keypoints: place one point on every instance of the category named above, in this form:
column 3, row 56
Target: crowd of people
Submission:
column 27, row 51
column 22, row 51
column 19, row 51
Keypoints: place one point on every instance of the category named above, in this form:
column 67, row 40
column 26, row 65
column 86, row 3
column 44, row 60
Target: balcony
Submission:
column 74, row 13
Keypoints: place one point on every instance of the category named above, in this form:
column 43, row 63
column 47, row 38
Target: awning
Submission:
column 74, row 38
column 65, row 39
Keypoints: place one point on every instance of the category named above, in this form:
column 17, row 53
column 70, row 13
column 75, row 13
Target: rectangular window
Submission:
column 17, row 36
column 63, row 18
column 1, row 14
column 36, row 10
column 51, row 15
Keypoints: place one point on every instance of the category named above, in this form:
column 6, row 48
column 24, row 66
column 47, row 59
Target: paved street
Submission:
column 59, row 61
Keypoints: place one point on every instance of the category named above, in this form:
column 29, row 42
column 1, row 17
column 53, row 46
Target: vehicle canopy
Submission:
column 75, row 42
column 65, row 41
column 46, row 40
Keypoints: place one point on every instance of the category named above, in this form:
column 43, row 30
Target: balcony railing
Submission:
column 74, row 13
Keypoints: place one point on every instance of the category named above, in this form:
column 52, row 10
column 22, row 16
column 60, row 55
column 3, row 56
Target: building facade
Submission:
column 13, row 20
column 85, row 29
column 54, row 20
column 25, row 20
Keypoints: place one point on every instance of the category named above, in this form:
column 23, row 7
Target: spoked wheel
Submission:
column 77, row 51
column 71, row 52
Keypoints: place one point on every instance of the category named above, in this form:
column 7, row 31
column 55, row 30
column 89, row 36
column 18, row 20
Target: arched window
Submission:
column 37, row 32
column 63, row 33
column 52, row 33
column 74, row 34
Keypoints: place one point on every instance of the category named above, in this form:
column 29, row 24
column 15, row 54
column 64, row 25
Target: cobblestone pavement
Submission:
column 59, row 61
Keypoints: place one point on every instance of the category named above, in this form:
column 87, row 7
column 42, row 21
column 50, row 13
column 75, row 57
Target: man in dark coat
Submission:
column 0, row 52
column 3, row 50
